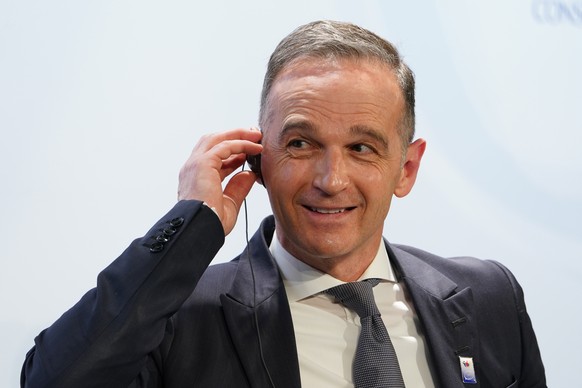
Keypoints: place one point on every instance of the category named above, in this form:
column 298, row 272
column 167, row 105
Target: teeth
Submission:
column 328, row 211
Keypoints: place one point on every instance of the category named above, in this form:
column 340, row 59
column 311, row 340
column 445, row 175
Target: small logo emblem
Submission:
column 468, row 370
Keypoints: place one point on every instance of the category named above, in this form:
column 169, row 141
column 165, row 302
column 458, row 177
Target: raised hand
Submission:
column 214, row 158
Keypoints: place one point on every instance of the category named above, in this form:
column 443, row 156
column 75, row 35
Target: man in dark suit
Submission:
column 337, row 142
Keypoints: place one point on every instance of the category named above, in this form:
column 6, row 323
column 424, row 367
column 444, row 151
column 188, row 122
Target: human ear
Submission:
column 410, row 168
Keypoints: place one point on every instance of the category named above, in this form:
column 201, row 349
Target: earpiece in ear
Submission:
column 254, row 162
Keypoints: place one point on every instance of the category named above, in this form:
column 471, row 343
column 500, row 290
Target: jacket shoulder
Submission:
column 464, row 270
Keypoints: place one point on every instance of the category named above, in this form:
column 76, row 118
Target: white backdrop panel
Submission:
column 101, row 103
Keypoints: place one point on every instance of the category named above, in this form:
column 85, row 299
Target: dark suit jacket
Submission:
column 160, row 317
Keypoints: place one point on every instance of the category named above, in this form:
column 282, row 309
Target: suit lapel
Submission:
column 260, row 322
column 261, row 327
column 445, row 313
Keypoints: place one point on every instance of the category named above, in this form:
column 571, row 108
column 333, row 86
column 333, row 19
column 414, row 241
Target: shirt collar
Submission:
column 301, row 280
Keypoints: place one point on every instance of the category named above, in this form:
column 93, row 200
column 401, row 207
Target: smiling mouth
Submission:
column 329, row 211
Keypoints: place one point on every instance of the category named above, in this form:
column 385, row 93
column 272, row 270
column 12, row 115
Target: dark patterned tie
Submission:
column 375, row 362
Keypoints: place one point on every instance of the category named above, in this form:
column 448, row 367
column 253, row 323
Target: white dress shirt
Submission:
column 327, row 333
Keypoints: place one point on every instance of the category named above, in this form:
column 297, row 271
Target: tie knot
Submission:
column 357, row 296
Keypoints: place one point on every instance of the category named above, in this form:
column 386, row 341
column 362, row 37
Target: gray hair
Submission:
column 339, row 40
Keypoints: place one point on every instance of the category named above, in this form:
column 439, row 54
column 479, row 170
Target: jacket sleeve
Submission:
column 532, row 368
column 110, row 337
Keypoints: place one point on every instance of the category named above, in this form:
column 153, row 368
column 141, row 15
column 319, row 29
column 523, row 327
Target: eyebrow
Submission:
column 299, row 124
column 358, row 130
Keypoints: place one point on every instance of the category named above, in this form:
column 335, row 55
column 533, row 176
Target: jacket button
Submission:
column 168, row 231
column 177, row 222
column 161, row 238
column 156, row 247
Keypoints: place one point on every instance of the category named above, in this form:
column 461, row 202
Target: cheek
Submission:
column 377, row 186
column 284, row 178
column 281, row 168
column 374, row 179
column 287, row 173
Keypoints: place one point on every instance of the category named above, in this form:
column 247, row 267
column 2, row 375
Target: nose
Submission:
column 331, row 173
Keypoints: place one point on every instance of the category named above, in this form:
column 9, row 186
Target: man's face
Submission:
column 332, row 158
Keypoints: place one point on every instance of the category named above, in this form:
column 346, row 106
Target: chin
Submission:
column 327, row 249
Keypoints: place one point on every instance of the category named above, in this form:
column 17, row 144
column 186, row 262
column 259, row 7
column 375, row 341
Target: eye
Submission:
column 297, row 144
column 362, row 149
column 300, row 147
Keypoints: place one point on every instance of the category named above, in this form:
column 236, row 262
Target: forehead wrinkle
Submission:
column 304, row 101
column 297, row 104
column 305, row 98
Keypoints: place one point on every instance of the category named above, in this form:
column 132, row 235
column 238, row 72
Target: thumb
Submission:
column 236, row 190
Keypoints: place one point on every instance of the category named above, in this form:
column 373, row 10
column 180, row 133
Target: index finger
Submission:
column 208, row 141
